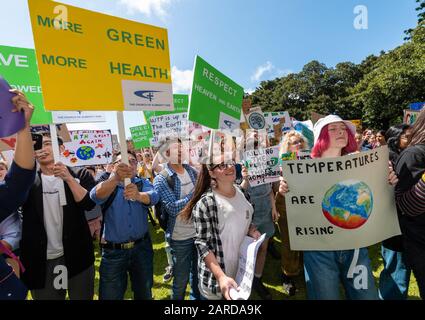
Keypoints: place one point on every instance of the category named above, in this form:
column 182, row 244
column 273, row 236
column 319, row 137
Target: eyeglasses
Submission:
column 223, row 166
column 130, row 161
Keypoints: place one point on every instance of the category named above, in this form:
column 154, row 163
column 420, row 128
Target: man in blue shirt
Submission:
column 126, row 243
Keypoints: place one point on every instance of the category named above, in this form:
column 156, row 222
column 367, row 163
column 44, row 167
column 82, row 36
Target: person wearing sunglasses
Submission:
column 223, row 217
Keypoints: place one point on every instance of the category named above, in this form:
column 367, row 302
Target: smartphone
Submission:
column 38, row 141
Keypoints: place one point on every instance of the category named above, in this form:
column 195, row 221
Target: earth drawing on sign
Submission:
column 348, row 204
column 85, row 153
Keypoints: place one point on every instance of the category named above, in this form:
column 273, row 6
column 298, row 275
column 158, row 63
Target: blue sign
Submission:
column 417, row 106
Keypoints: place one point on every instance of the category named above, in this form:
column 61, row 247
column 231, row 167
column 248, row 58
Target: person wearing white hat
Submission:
column 325, row 270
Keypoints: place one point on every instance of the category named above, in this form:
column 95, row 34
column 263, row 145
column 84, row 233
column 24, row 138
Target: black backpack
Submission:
column 161, row 213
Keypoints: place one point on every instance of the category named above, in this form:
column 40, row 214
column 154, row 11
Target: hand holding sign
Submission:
column 62, row 172
column 226, row 284
column 10, row 121
column 122, row 171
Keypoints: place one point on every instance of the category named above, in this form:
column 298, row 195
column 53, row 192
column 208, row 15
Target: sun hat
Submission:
column 322, row 122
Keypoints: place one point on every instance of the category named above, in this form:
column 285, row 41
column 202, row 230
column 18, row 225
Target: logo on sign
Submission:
column 229, row 124
column 256, row 121
column 146, row 94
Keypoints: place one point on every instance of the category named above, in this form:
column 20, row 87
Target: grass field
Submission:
column 271, row 276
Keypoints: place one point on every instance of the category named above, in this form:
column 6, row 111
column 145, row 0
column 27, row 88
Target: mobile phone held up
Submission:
column 38, row 141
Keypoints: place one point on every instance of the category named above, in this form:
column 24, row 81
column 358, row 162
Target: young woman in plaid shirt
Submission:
column 222, row 215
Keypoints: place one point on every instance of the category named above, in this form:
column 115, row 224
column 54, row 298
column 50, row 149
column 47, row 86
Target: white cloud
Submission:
column 182, row 80
column 148, row 7
column 268, row 69
column 261, row 70
column 249, row 90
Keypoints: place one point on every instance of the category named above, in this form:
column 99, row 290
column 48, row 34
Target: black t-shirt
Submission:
column 409, row 168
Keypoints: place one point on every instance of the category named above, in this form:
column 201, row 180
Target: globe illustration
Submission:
column 85, row 153
column 348, row 204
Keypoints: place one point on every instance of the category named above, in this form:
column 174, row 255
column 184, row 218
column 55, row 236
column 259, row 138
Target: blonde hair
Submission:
column 284, row 146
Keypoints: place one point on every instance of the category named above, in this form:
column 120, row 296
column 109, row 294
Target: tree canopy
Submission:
column 375, row 91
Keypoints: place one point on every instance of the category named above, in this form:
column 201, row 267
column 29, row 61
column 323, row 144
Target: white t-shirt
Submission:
column 234, row 219
column 183, row 229
column 53, row 216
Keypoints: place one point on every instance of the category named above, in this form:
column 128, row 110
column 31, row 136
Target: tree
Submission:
column 421, row 18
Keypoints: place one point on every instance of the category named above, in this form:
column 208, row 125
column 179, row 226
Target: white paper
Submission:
column 8, row 156
column 78, row 116
column 247, row 257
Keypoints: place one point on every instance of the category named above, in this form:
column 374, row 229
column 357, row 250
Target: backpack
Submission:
column 105, row 206
column 160, row 213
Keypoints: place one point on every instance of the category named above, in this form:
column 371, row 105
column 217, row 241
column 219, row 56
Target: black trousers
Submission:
column 415, row 259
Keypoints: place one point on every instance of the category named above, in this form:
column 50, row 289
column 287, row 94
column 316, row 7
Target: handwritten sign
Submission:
column 141, row 136
column 340, row 203
column 88, row 147
column 263, row 165
column 172, row 125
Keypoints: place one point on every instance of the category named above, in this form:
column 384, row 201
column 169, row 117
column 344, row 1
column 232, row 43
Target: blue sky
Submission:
column 248, row 40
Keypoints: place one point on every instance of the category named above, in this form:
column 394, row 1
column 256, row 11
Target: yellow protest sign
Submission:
column 93, row 61
column 357, row 123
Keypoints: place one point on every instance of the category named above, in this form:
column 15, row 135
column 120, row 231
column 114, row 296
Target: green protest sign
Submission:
column 216, row 100
column 141, row 136
column 181, row 103
column 18, row 66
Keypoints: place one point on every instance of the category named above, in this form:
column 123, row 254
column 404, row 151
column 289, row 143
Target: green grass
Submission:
column 271, row 275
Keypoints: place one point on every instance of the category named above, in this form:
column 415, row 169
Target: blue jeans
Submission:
column 185, row 269
column 395, row 277
column 325, row 270
column 116, row 263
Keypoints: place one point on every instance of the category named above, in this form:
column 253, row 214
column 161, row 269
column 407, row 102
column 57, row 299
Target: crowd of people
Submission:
column 206, row 210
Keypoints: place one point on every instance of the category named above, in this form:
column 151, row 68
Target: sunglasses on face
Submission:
column 223, row 166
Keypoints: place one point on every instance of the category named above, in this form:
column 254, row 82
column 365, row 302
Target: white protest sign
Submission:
column 263, row 165
column 340, row 203
column 246, row 268
column 88, row 147
column 168, row 125
column 78, row 116
column 8, row 156
column 115, row 143
column 256, row 119
column 274, row 118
